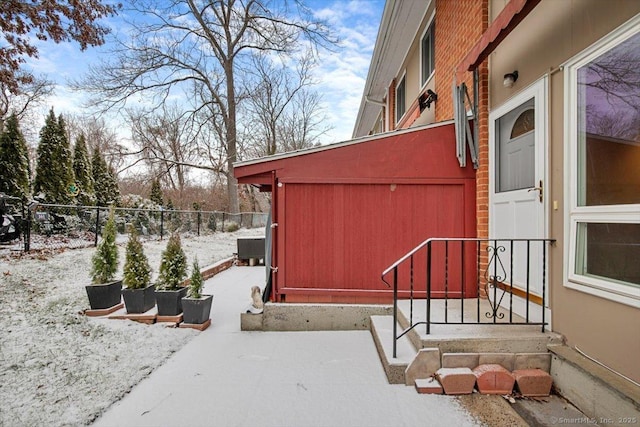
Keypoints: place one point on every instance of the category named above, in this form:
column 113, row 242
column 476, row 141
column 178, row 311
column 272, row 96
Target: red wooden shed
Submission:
column 344, row 212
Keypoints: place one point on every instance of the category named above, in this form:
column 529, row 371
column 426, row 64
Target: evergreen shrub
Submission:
column 137, row 273
column 195, row 285
column 173, row 266
column 105, row 260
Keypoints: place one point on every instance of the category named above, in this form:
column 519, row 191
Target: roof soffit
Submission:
column 401, row 20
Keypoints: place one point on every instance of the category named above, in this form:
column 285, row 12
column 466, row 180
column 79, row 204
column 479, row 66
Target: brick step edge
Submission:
column 529, row 382
column 198, row 326
column 428, row 386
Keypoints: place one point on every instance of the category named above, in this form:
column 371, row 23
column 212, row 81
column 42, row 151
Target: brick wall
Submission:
column 459, row 24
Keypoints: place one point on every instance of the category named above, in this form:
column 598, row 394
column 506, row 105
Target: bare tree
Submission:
column 275, row 88
column 199, row 47
column 305, row 124
column 98, row 135
column 166, row 143
column 25, row 101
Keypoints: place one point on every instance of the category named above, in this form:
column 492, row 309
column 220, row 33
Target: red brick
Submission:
column 533, row 382
column 493, row 379
column 458, row 25
column 456, row 380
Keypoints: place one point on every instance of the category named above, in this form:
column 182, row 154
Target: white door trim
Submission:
column 539, row 91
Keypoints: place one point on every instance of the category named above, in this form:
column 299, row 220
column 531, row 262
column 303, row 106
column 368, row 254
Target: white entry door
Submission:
column 517, row 193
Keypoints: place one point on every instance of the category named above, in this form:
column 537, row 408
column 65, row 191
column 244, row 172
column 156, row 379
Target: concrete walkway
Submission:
column 226, row 377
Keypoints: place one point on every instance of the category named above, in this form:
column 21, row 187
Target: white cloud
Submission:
column 342, row 74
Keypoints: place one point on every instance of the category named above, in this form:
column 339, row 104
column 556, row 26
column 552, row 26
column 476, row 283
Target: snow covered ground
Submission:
column 59, row 367
column 228, row 377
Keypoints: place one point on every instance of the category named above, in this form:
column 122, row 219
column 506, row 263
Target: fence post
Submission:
column 26, row 233
column 222, row 221
column 161, row 223
column 97, row 225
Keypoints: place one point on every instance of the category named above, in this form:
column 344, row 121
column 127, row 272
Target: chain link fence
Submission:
column 37, row 226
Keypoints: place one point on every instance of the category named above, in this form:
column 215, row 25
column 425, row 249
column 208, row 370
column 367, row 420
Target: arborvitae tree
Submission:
column 156, row 193
column 137, row 273
column 105, row 260
column 64, row 159
column 104, row 183
column 173, row 267
column 82, row 172
column 45, row 179
column 54, row 173
column 14, row 160
column 196, row 282
column 99, row 172
column 112, row 186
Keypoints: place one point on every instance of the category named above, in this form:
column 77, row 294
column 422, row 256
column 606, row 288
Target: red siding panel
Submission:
column 347, row 212
column 341, row 237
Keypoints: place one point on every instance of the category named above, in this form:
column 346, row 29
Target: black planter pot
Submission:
column 196, row 310
column 170, row 302
column 104, row 295
column 139, row 300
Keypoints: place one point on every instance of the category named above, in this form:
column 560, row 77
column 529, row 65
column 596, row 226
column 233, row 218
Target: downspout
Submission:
column 476, row 119
column 381, row 104
column 274, row 236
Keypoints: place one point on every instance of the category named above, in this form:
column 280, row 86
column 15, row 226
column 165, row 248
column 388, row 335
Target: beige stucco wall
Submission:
column 555, row 31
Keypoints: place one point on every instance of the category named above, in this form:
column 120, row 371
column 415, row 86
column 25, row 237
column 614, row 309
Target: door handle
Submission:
column 538, row 189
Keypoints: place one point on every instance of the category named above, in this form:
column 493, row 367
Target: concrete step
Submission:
column 472, row 345
column 394, row 367
column 483, row 338
column 474, row 338
column 489, row 339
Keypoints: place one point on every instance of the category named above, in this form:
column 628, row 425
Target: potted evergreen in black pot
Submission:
column 173, row 271
column 104, row 292
column 138, row 292
column 197, row 307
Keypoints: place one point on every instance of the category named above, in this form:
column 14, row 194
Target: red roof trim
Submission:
column 509, row 18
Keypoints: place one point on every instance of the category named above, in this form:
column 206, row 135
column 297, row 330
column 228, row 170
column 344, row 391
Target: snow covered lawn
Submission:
column 59, row 367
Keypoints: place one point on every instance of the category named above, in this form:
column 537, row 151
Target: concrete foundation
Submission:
column 597, row 392
column 251, row 322
column 320, row 317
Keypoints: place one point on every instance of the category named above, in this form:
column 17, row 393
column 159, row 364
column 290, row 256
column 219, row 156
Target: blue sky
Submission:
column 341, row 74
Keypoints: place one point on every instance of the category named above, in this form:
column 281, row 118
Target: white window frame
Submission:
column 574, row 215
column 430, row 24
column 402, row 79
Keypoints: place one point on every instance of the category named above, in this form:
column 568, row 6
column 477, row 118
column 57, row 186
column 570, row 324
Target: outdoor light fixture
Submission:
column 510, row 79
column 427, row 98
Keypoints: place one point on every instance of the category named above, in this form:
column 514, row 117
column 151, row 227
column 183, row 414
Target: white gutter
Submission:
column 381, row 41
column 374, row 101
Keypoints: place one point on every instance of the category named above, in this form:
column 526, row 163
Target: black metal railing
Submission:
column 456, row 270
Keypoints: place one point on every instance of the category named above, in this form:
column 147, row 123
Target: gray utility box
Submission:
column 250, row 247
